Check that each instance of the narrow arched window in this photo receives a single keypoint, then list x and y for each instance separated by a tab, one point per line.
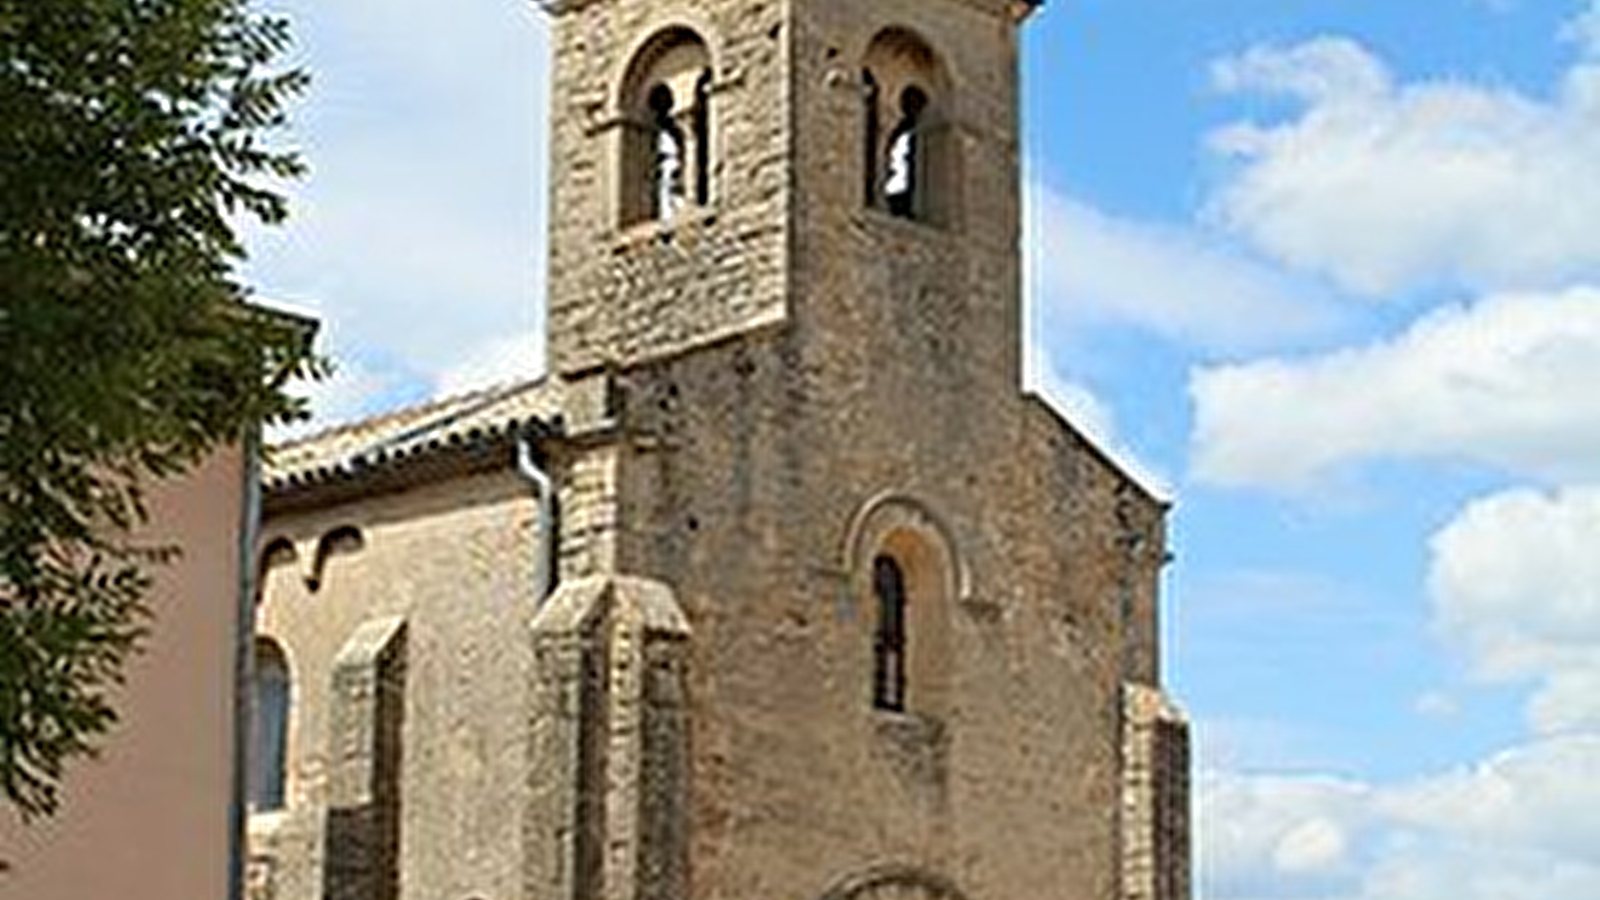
269	727
901	179
667	178
870	136
889	638
701	116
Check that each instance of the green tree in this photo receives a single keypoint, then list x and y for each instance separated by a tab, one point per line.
134	136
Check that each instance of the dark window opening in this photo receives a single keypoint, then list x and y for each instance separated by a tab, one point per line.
667	174
869	99
900	182
889	641
269	728
702	138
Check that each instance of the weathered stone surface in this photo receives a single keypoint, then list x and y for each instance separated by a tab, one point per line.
760	396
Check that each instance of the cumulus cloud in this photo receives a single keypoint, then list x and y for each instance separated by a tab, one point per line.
1280	836
1515	582
1087	267
419	234
1523	824
1507	382
1384	186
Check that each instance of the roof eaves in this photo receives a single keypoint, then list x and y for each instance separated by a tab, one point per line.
429	437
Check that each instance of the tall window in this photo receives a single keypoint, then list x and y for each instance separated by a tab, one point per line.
889	639
269	727
900	183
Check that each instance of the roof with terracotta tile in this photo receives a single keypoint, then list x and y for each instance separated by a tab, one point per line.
346	451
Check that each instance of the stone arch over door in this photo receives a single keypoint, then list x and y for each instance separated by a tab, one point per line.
894	882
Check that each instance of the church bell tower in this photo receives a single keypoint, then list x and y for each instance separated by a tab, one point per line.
842	614
843	167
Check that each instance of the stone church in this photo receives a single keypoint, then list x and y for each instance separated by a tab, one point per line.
777	586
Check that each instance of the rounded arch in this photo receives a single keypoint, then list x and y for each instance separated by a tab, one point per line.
899	882
664	48
890	512
280	551
901	56
338	541
664	107
270	697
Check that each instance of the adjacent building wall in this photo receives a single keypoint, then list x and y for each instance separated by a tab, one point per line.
151	819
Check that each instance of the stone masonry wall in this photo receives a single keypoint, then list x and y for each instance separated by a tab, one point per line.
619	294
744	472
741	466
454	560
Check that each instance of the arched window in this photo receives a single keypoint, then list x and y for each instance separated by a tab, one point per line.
889	638
666	159
269	727
907	577
908	171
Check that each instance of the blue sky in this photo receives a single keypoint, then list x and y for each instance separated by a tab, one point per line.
1325	271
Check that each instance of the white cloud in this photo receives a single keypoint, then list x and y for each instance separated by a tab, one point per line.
1542	795
513	357
1279	836
1086	267
1317	844
419	234
1387	186
1436	704
1326	70
1515	581
1584	31
1522	825
1507	382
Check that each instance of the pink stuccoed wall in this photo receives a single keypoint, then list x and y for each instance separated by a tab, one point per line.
150	819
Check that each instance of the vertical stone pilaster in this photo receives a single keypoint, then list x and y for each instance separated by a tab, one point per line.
664	776
590	513
608	733
1155	797
361	839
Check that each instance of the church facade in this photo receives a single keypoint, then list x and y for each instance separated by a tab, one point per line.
777	585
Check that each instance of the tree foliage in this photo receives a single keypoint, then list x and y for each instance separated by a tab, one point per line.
134	136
